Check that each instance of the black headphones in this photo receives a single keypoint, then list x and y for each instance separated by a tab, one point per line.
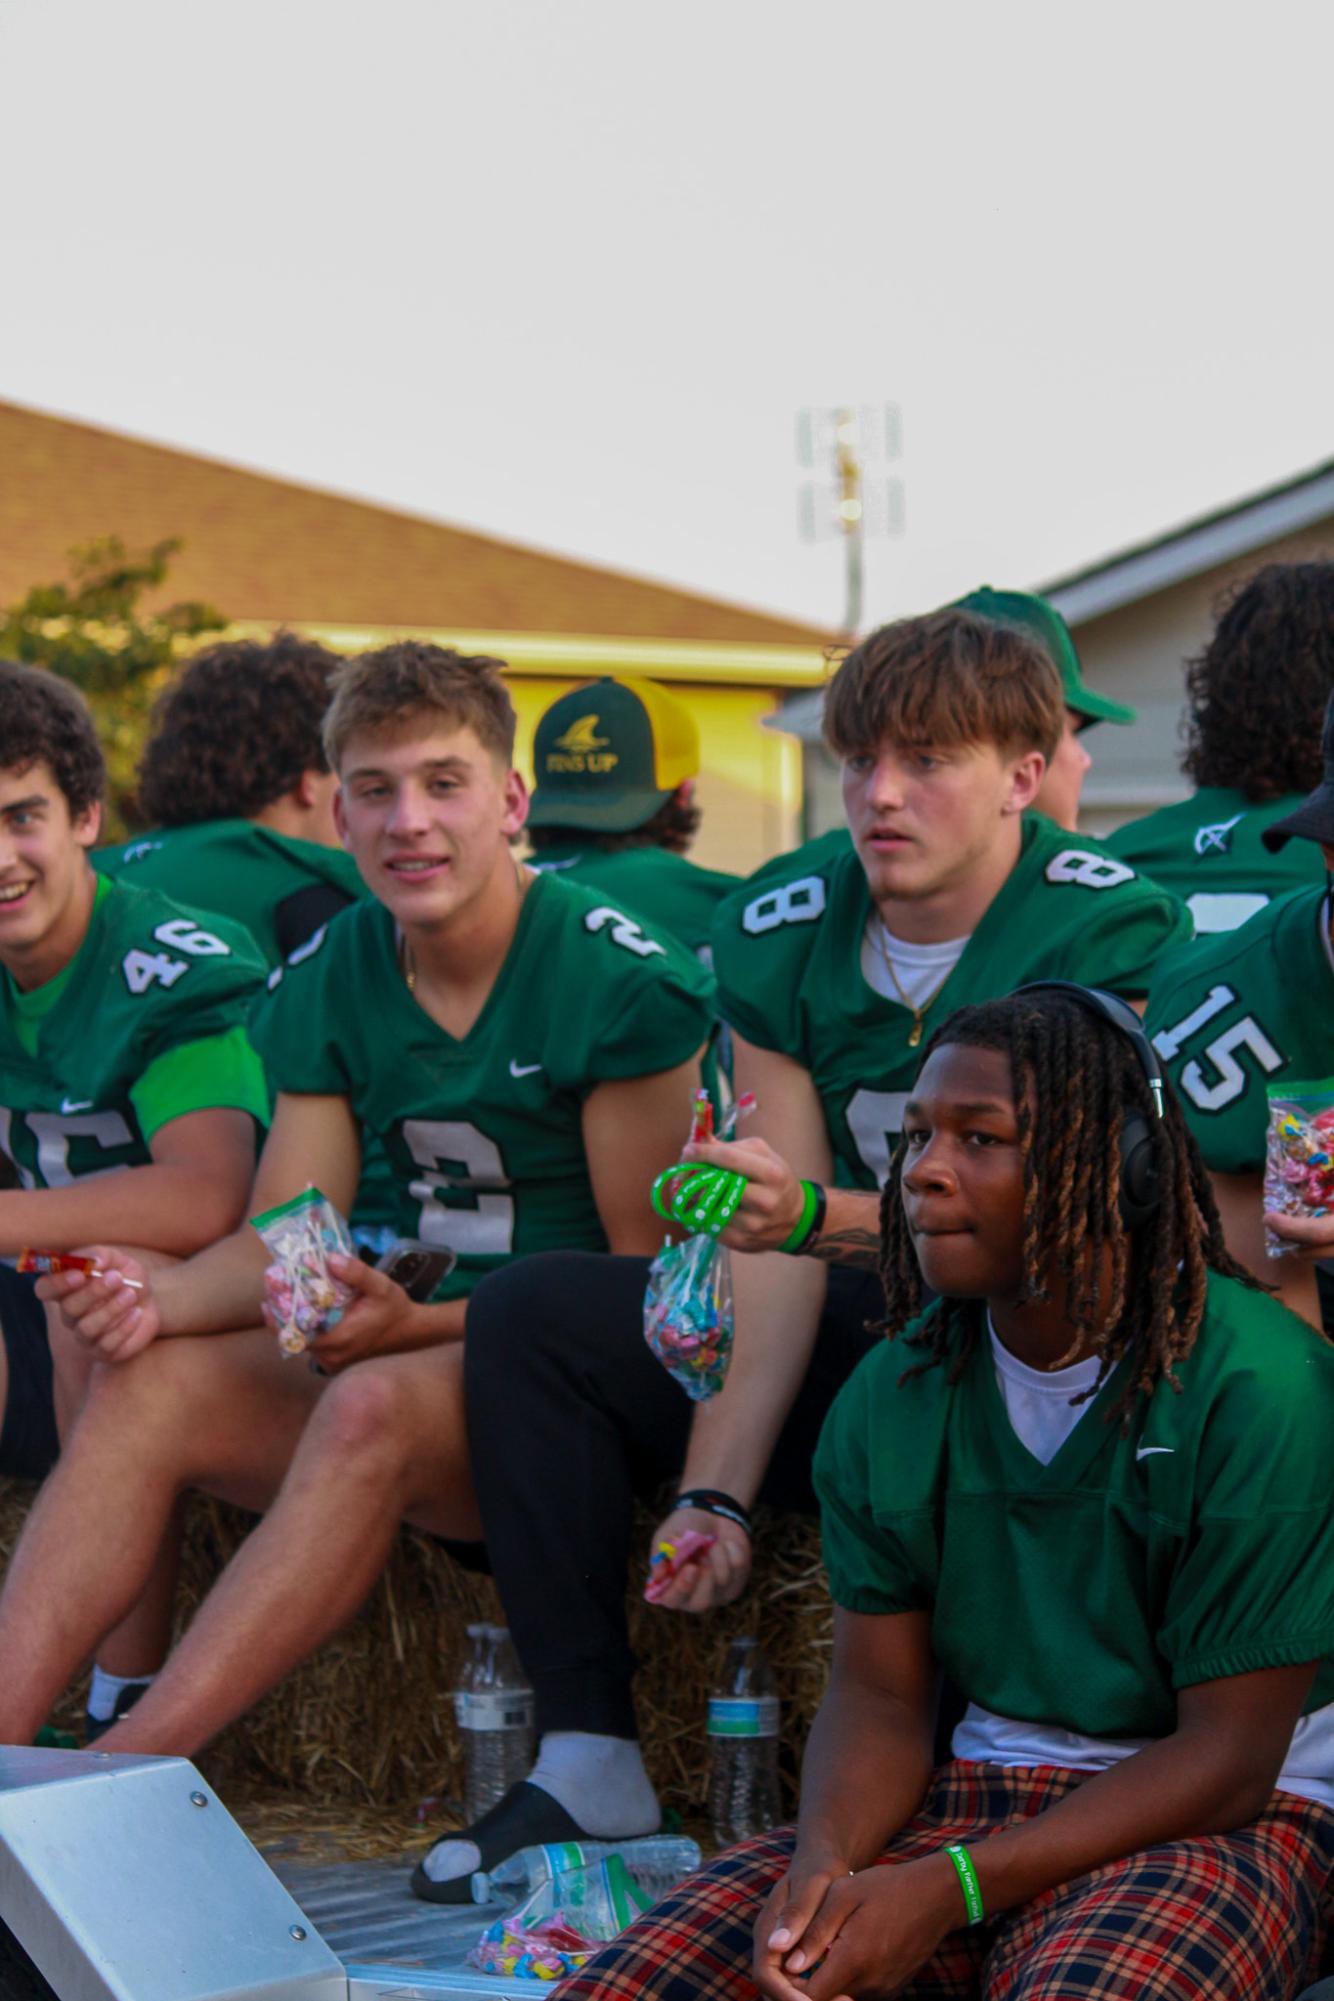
1139	1165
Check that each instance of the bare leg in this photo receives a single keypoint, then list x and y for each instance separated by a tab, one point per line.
221	1411
386	1443
139	1644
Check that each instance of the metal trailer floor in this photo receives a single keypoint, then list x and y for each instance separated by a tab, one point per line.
390	1942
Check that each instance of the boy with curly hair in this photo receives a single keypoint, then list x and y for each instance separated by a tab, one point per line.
1256	696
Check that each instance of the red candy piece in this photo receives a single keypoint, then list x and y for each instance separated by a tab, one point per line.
43	1262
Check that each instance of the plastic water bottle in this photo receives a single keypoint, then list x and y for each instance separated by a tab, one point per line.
743	1744
493	1707
657	1862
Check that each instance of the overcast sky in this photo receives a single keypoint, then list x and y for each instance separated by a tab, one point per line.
567	271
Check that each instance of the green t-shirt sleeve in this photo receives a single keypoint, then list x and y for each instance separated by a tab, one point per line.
1254	1587
868	1568
217	1072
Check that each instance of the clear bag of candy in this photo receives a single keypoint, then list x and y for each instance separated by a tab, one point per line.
1299	1154
303	1295
688	1314
561	1923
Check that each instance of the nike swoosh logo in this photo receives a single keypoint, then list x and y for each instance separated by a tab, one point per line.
70	1105
1144	1451
523	1069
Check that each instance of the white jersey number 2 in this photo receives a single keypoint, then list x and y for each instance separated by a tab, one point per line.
459	1160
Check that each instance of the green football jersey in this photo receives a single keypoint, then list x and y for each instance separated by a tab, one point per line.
146	1023
668	891
281	889
1085	1593
1235	1014
787	950
1207	850
484	1132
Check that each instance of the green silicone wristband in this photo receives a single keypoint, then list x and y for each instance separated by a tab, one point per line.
810	1198
968	1883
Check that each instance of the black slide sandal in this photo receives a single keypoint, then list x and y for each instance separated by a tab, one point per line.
525	1818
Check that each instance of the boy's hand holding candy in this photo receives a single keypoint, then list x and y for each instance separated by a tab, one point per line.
108	1305
761	1212
709	1563
379	1318
1310	1237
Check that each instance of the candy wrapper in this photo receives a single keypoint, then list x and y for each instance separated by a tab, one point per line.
303	1293
1299	1154
39	1264
561	1923
670	1558
688	1314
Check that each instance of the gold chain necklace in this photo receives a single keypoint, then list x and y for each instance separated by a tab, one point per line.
915	1032
408	964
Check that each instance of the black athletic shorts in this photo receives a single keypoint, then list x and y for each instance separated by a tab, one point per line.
28	1440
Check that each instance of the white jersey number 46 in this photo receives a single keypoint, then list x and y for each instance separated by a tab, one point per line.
143	970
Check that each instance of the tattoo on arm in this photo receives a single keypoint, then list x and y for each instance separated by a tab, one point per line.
847	1247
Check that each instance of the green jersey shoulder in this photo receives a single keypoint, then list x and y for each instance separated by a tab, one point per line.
484	1132
1233	1015
1208	850
90	1069
281	889
787	950
669	892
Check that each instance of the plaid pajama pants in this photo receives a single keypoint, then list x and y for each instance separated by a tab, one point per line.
1234	1915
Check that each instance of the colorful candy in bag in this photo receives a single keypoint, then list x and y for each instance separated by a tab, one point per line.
688	1314
688	1304
305	1297
561	1923
1299	1154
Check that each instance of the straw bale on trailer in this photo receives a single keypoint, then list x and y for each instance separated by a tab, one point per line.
369	1719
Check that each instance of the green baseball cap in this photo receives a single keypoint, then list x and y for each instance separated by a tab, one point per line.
1034	614
607	755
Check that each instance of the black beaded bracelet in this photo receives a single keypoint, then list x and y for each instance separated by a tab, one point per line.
710	1501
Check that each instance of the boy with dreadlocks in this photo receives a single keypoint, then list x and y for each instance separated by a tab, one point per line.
1092	1481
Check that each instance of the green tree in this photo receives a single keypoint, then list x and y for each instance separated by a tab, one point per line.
95	630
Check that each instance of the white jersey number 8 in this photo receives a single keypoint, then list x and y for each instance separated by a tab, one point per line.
1088	870
799	902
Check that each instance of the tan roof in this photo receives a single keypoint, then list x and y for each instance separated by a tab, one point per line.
269	550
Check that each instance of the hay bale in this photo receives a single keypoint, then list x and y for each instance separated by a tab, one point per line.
368	1721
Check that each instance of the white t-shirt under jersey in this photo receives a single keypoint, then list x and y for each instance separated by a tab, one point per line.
922	969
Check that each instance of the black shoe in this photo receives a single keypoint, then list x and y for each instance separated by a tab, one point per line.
96	1726
525	1818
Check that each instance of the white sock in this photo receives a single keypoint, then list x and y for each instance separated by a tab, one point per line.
600	1782
105	1689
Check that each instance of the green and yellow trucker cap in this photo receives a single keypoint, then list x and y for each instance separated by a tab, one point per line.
608	754
1034	614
